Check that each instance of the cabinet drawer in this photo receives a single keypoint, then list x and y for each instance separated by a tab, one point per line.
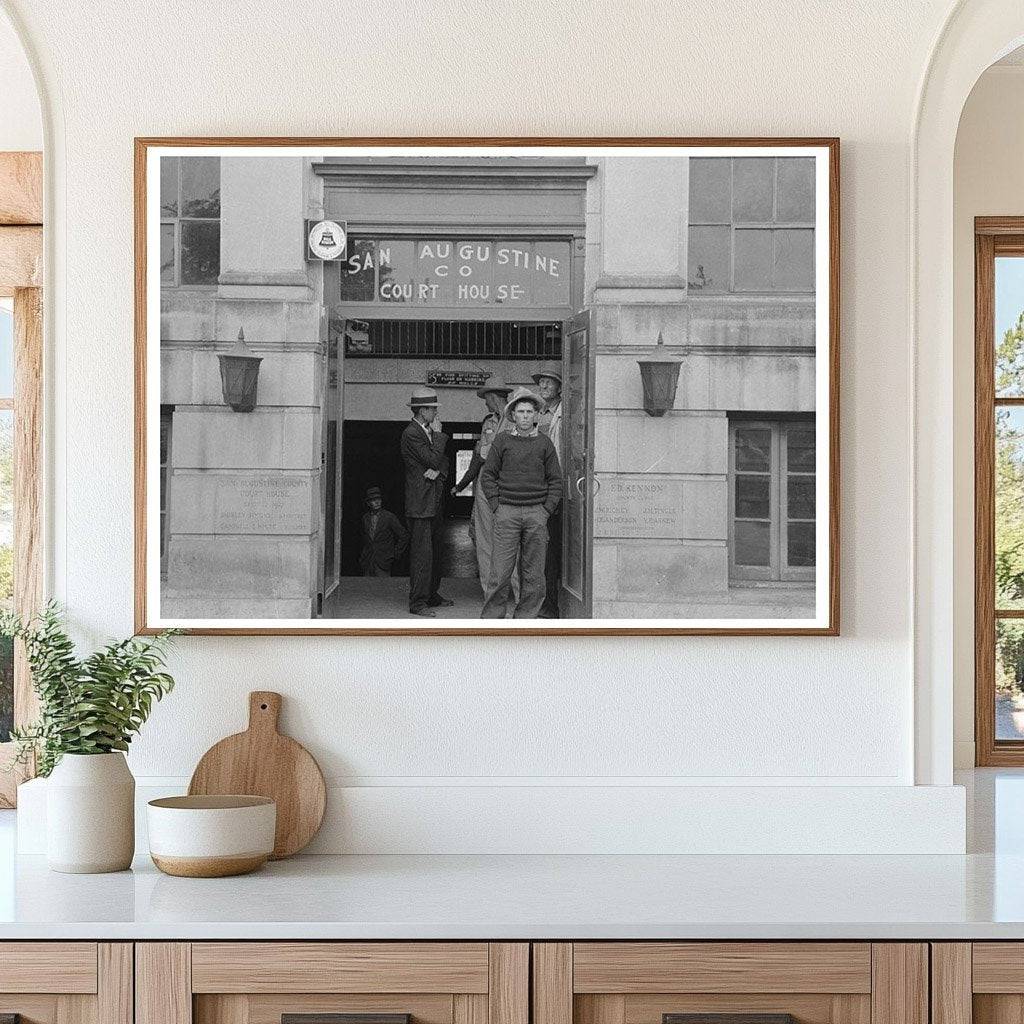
48	967
981	982
340	967
733	982
66	982
629	967
262	982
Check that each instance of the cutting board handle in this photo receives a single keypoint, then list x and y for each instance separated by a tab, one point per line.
264	710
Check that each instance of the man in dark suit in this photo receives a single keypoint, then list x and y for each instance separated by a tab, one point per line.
384	537
426	469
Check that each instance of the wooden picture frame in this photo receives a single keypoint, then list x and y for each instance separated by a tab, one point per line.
346	163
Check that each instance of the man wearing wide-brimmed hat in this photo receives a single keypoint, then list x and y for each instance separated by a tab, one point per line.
522	481
426	469
384	537
549	383
481	524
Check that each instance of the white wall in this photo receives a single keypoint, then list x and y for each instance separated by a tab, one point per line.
988	181
389	714
21	125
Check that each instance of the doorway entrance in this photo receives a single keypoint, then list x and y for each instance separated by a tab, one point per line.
373	459
374	366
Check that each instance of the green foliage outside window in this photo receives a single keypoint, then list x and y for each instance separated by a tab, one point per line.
1009	509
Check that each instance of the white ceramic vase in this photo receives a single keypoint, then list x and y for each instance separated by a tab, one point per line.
90	814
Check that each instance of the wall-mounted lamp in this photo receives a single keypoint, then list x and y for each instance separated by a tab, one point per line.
660	379
239	375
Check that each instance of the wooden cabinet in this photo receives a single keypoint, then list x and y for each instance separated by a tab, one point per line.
647	982
979	982
259	982
66	982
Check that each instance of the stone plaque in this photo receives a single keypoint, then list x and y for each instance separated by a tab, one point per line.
263	504
638	507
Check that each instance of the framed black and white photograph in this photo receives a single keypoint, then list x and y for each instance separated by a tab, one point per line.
487	386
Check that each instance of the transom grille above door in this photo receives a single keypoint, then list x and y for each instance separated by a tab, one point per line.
452	339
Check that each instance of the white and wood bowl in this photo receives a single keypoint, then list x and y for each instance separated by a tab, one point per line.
211	836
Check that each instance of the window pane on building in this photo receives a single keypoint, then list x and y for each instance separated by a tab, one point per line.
168	186
358	271
800	497
753	497
6	348
752	184
200	186
1009	326
710	190
1009	508
1009	709
708	259
200	251
794	259
753	543
167	254
800	544
795	191
800	449
753	449
753	260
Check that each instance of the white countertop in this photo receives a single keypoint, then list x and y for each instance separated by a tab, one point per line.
977	896
531	897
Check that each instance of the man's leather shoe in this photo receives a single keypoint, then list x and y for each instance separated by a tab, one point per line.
440	602
428	613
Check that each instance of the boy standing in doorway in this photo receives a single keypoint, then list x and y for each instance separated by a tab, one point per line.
426	467
384	537
522	482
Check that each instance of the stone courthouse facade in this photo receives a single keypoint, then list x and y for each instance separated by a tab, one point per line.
461	269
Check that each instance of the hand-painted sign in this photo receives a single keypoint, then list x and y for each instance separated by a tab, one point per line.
458	378
326	240
448	272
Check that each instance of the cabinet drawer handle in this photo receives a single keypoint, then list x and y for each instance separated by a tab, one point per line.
728	1018
338	1018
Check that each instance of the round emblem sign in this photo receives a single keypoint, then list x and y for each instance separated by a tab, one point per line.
327	240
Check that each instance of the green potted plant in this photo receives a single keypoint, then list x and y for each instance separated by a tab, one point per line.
89	710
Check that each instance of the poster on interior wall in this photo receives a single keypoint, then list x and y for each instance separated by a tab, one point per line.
542	386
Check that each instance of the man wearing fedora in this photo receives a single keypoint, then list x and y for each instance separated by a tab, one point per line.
495	394
426	468
549	383
522	482
384	537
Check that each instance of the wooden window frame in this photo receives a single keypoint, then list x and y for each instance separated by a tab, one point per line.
993	236
21	262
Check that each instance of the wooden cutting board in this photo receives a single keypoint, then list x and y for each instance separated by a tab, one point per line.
262	762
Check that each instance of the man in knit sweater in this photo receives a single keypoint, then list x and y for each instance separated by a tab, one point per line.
522	482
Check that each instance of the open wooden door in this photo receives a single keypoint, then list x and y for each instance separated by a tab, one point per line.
578	467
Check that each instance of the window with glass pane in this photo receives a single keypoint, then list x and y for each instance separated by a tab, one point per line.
6	511
190	221
772	500
1008	496
166	417
751	225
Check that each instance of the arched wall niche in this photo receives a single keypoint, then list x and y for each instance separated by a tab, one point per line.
975	35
